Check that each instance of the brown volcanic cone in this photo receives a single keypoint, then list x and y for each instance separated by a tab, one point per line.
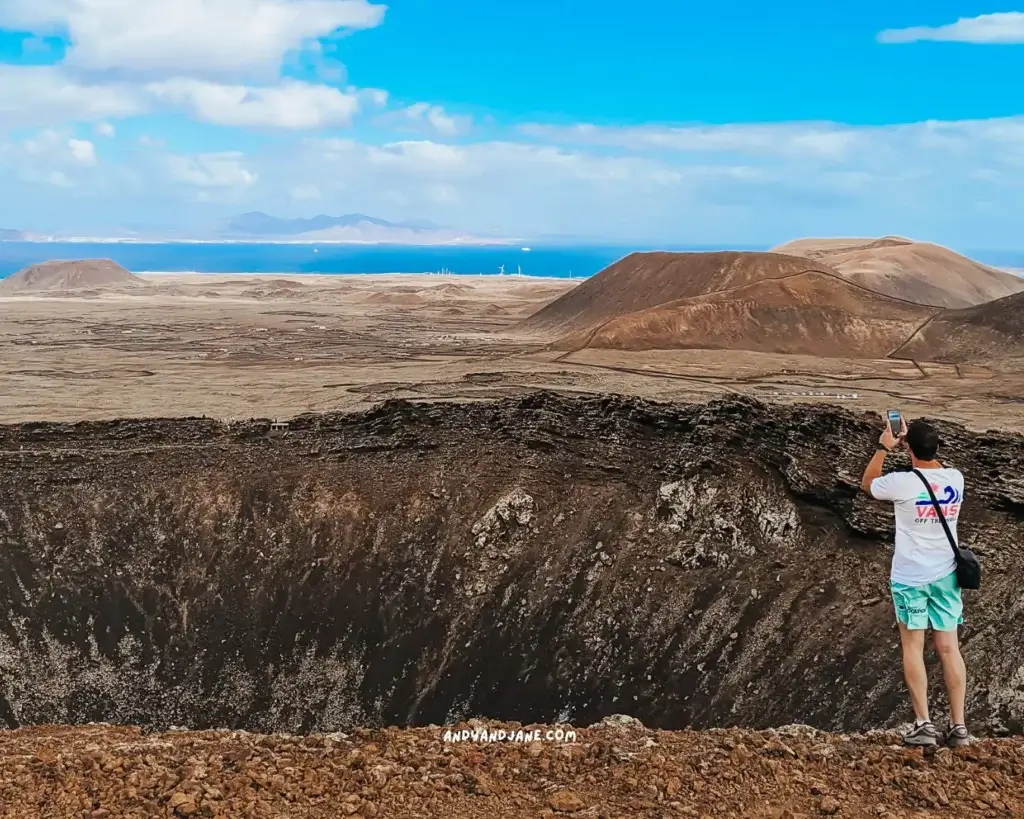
68	276
812	313
986	332
916	271
645	280
765	302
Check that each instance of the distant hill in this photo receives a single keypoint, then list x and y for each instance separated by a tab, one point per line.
917	271
985	332
262	225
8	235
780	303
642	281
802	312
69	276
808	314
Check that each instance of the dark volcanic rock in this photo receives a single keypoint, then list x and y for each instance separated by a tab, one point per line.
534	559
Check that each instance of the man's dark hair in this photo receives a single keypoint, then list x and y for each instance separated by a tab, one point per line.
923	440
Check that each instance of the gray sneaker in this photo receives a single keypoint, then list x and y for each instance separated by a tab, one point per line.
957	736
921	733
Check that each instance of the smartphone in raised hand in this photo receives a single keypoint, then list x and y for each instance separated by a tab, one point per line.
895	422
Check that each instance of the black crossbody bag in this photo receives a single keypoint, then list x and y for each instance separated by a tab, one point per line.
968	569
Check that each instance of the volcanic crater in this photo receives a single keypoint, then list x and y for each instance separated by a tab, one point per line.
539	558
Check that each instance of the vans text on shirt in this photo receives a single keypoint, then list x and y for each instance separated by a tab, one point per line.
923	554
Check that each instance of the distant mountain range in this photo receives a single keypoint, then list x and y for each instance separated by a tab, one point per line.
263	225
353	228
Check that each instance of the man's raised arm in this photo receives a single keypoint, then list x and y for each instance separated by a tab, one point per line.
887	442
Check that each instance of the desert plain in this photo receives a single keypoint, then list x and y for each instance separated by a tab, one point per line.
275	346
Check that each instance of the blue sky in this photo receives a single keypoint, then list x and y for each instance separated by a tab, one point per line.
738	122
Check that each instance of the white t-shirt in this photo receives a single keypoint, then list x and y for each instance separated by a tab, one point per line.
923	554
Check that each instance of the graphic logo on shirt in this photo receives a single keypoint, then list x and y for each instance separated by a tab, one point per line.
947	496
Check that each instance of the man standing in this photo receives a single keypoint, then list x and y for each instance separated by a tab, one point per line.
923	581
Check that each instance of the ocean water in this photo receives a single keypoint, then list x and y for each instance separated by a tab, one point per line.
174	257
300	258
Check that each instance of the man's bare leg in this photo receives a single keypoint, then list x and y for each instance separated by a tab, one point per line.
914	670
954	671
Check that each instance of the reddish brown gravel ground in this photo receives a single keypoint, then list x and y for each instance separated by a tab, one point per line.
608	771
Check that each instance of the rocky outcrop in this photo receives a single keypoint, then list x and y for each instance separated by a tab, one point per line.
539	558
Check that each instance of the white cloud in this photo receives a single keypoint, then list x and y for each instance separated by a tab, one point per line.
334	148
221	170
83	151
758	183
303	193
291	104
420	155
224	38
53	178
44	142
821	140
437	118
507	187
826	150
41	95
1001	28
443	194
59	180
51	147
750	183
218	61
485	173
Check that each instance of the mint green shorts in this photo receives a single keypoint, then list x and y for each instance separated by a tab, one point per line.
937	604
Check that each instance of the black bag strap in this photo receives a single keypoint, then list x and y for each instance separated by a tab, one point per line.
938	511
